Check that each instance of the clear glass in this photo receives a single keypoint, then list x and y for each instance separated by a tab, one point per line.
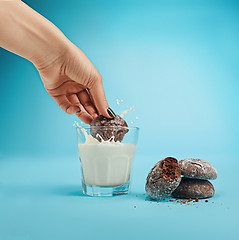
106	165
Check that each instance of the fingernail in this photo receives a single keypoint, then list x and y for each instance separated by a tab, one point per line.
111	113
78	111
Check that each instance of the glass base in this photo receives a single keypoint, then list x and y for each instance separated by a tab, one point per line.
105	191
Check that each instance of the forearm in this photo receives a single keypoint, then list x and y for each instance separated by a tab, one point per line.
28	34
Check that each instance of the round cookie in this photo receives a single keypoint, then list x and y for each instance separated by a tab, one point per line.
163	178
194	188
197	168
107	128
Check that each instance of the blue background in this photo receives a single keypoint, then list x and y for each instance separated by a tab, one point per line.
177	62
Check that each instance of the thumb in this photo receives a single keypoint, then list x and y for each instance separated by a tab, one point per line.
97	94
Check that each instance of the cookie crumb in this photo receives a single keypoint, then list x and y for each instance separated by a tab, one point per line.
134	206
196	200
206	200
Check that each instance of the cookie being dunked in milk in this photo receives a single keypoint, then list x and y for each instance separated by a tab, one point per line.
103	128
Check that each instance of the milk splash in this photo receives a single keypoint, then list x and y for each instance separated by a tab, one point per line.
129	109
126	111
91	140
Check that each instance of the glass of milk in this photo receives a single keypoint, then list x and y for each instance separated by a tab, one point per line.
106	165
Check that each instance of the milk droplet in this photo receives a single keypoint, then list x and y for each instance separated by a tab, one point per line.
126	111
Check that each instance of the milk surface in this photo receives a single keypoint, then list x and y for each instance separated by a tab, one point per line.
106	163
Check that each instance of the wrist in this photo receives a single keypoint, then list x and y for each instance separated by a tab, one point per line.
50	51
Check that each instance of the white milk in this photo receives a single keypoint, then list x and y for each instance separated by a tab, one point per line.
106	163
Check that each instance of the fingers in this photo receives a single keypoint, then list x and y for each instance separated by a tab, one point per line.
87	103
74	100
66	105
84	116
71	105
82	113
83	98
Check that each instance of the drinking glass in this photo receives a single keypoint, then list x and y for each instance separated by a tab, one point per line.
106	165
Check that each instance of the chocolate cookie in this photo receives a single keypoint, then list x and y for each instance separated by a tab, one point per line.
108	128
194	188
197	168
163	178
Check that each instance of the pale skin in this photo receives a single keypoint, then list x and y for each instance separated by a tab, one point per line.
67	74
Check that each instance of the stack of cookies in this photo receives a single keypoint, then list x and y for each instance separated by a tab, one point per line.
195	181
188	178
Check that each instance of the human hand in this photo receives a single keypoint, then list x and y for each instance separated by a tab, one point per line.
75	84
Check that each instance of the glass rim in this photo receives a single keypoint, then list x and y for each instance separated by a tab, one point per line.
108	127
